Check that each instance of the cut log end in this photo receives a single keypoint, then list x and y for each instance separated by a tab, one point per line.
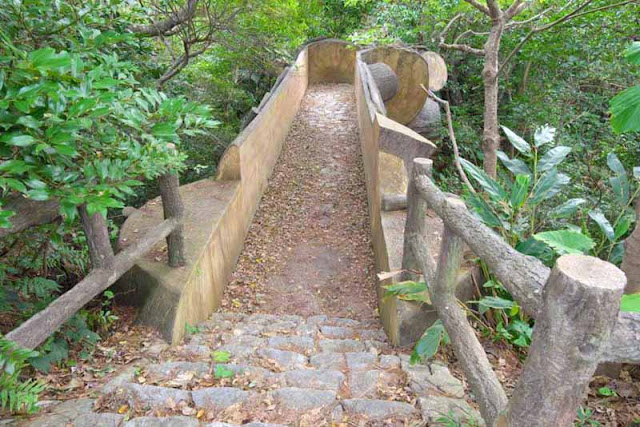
591	272
386	80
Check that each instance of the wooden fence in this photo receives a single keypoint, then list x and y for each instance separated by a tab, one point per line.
575	304
107	267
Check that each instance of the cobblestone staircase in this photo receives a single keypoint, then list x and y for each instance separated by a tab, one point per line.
275	370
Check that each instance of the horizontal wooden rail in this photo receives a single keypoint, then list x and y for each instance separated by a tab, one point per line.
38	328
523	276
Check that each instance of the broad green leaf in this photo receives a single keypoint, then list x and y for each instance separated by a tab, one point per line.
547	186
603	223
544	135
630	303
163	130
625	110
520	191
17	139
47	58
38	194
515	166
553	158
632	53
222	371
409	291
617	253
488	184
427	346
620	187
623	226
615	164
568	208
518	143
535	248
484	211
566	241
495	302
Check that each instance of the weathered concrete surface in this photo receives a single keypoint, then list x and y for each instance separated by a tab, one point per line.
412	71
331	61
428	122
218	215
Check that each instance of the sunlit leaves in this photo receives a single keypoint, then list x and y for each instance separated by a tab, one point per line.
489	185
553	158
518	143
544	135
427	346
566	241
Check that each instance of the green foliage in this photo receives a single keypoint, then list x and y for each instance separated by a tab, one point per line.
16	395
427	346
585	418
409	291
221	356
451	420
222	372
630	303
625	107
192	330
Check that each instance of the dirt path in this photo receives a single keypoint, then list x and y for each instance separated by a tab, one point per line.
308	250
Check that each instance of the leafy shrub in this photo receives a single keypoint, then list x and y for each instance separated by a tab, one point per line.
16	395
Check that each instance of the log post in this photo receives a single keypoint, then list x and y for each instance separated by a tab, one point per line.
173	208
415	226
386	80
97	232
580	304
484	383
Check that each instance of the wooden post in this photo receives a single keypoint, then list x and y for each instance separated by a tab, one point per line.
173	208
484	383
416	227
580	304
97	232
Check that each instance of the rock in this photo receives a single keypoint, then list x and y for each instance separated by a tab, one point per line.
389	361
282	327
218	398
435	378
238	351
292	343
340	346
317	320
248	329
337	332
316	379
102	420
154	396
306	330
377	409
285	360
435	407
360	361
156	348
197	350
364	384
169	369
245	340
263	319
329	361
302	399
375	347
343	322
162	422
126	376
64	413
372	334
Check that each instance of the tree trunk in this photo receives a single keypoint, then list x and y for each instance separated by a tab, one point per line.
173	208
97	232
491	132
29	213
580	303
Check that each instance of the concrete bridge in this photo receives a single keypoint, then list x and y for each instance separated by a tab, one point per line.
376	95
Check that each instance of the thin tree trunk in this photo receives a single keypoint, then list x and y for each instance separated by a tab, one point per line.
173	208
491	132
97	232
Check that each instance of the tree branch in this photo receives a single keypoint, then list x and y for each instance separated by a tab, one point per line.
178	18
482	8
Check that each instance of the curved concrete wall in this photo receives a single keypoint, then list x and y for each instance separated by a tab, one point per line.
218	212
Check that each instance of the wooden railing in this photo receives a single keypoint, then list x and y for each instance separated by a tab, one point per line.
575	304
107	267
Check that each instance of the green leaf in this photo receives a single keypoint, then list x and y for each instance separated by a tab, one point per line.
488	184
566	241
630	303
164	131
615	164
518	143
409	291
603	223
544	135
17	139
544	188
47	58
222	371
553	158
520	191
625	110
221	356
38	195
622	226
484	211
568	208
515	166
495	302
427	346
632	53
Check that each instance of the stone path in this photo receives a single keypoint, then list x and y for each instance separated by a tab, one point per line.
298	341
274	369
